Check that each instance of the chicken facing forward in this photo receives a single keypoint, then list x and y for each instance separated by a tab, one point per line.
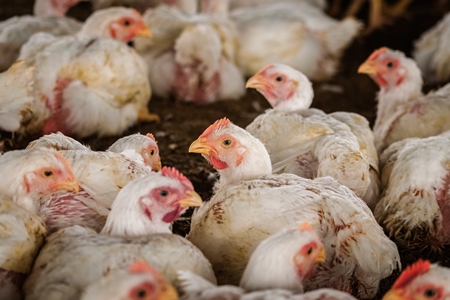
138	228
310	143
293	33
192	57
250	203
421	280
403	111
90	83
415	209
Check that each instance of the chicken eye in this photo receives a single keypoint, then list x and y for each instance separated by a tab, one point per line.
429	293
310	249
390	64
48	173
227	142
163	193
279	78
152	152
126	23
141	294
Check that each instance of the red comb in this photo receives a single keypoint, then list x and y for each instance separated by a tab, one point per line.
305	226
411	272
174	173
377	53
149	135
141	267
265	69
216	126
64	161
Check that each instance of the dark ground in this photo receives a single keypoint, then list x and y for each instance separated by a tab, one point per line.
182	123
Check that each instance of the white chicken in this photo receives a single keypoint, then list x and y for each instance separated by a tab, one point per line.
249	204
403	110
138	228
91	82
414	209
33	173
197	288
431	52
296	34
15	31
191	57
310	143
49	8
140	281
22	234
421	280
188	6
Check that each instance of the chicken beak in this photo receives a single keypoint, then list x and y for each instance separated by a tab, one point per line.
157	166
322	257
256	82
168	293
200	146
71	186
144	31
368	67
192	199
392	295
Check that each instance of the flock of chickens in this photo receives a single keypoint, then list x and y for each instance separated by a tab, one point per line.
305	205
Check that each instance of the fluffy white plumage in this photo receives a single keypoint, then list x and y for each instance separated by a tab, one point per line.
91	82
49	8
293	33
15	31
249	204
197	288
143	209
414	209
191	56
403	111
431	52
310	143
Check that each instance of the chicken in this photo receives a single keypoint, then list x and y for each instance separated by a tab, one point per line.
197	288
414	209
139	148
310	143
140	281
49	8
90	83
138	228
290	255
191	57
33	173
421	280
431	52
22	234
249	204
403	110
296	34
188	6
57	141
247	3
15	31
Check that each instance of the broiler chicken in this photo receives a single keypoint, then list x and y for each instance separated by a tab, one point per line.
48	17
431	52
296	34
138	228
90	83
188	6
421	280
197	288
415	209
249	204
191	57
403	111
140	281
310	143
22	234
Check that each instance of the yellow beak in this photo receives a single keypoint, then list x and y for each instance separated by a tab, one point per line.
255	82
392	295
368	67
193	199
71	186
168	293
157	166
322	257
199	146
144	31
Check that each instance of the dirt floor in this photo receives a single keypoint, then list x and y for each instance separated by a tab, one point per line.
184	122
